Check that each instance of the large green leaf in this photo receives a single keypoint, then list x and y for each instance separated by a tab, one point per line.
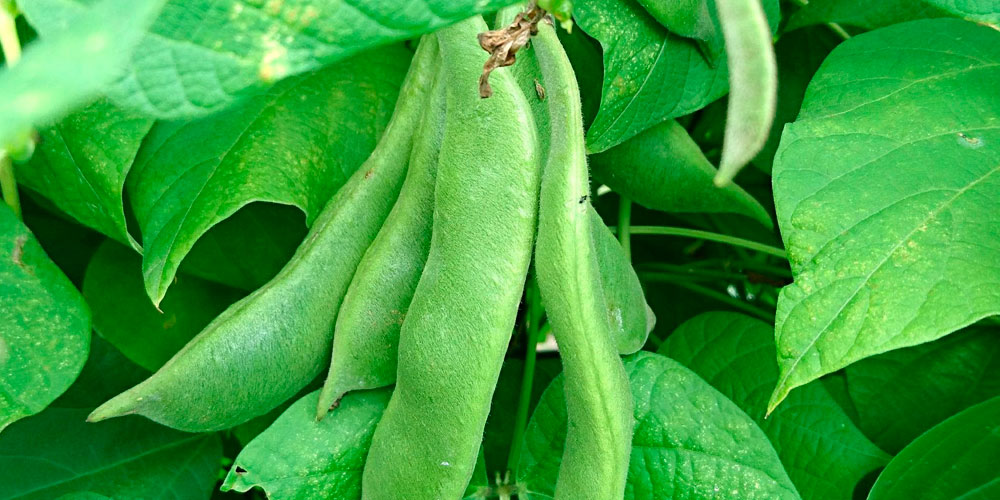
650	74
297	456
58	452
123	314
888	197
824	453
199	55
985	11
44	325
70	65
901	394
81	163
663	169
956	459
106	373
689	442
296	144
863	13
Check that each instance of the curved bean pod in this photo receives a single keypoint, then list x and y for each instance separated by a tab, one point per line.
366	339
459	324
266	347
598	399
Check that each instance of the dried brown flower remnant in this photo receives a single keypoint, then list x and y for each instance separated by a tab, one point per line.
503	44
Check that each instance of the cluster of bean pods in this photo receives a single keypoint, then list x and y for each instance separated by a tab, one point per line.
414	273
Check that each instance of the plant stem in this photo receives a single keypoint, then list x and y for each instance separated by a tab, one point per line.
625	225
8	184
9	42
532	317
706	235
707	292
834	27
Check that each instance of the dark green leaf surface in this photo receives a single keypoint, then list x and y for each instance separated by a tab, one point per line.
81	163
888	194
690	441
984	11
123	314
955	460
663	169
295	144
824	453
298	457
200	55
863	13
44	325
57	452
901	394
650	75
106	373
70	65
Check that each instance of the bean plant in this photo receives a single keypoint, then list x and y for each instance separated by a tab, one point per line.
482	249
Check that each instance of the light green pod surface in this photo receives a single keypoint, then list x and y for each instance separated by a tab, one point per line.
598	399
366	338
458	326
264	348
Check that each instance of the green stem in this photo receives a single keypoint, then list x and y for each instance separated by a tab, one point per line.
834	27
706	235
9	42
707	292
8	184
625	225
533	316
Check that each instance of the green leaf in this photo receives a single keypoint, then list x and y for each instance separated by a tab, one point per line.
663	169
298	456
123	314
863	13
81	163
901	394
200	55
57	452
956	459
44	325
650	75
69	66
887	197
687	18
689	442
68	244
106	373
295	144
984	11
824	453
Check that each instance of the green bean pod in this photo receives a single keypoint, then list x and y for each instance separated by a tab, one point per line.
598	400
753	84
267	346
366	338
459	324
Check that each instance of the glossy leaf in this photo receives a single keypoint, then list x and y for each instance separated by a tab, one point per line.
69	66
297	456
650	75
57	452
862	13
44	325
901	394
663	169
956	459
81	163
201	55
887	197
690	441
123	314
984	11
295	144
824	453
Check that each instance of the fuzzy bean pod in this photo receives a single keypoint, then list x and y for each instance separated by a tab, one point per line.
366	338
264	348
598	400
459	324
